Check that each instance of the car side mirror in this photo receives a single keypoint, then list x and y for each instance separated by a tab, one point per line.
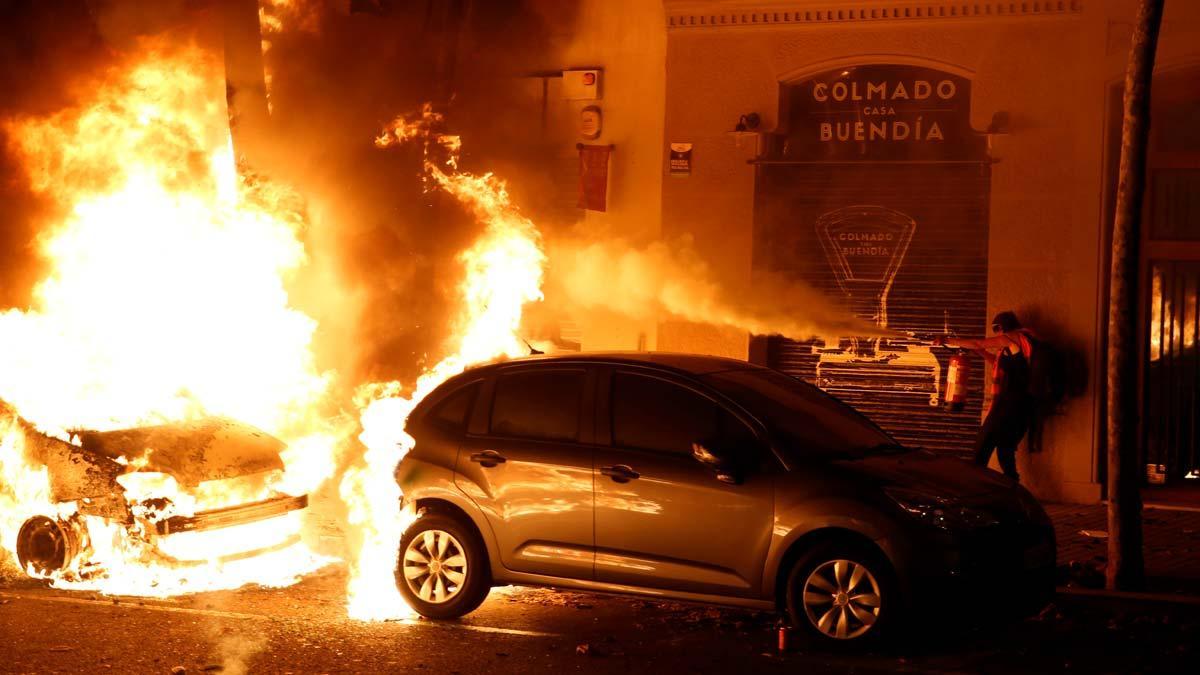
725	470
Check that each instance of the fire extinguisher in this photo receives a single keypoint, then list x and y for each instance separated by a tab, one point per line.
957	375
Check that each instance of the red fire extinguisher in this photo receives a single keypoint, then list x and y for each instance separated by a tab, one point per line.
957	375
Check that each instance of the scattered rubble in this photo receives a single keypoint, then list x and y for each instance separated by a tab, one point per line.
1085	574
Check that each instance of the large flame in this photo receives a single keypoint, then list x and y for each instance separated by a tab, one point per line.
164	300
502	272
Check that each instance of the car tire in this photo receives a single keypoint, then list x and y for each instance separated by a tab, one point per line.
442	570
842	596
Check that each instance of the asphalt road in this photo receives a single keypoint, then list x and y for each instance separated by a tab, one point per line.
304	629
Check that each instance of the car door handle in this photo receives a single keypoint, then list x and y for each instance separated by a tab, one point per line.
620	473
488	458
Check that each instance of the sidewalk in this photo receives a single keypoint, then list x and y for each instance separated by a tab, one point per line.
1172	546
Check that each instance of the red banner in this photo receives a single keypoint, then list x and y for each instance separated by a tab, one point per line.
593	176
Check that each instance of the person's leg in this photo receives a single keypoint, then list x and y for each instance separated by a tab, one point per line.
1007	454
985	444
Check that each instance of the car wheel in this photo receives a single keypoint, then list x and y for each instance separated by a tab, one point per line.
840	595
442	569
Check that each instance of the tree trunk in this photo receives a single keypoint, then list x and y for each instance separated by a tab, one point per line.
1126	570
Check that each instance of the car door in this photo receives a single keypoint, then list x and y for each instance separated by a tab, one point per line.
527	463
663	518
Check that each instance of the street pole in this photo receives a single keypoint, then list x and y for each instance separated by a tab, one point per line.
1126	567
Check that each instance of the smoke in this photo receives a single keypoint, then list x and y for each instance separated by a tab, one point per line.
234	651
664	280
38	60
338	72
382	272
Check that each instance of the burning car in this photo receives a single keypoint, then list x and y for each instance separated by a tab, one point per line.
149	489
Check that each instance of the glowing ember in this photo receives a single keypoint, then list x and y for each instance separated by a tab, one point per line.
503	271
164	302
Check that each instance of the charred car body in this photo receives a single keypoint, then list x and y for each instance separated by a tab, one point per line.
152	481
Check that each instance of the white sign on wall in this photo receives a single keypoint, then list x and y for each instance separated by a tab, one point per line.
581	85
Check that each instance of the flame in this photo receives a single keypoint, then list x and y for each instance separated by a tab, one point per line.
24	486
503	271
428	129
164	300
276	16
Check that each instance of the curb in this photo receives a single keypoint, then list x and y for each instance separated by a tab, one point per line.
1170	598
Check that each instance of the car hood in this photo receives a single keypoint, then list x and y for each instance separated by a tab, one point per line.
927	472
192	452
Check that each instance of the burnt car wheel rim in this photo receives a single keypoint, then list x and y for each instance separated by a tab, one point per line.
46	546
841	599
435	566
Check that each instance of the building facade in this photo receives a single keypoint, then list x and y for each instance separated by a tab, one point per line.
926	164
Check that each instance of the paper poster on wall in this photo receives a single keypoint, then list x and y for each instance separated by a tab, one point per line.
681	159
593	176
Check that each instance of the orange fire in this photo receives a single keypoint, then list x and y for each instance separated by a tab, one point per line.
503	271
164	301
277	16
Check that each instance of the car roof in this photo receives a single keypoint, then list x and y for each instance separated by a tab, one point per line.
693	364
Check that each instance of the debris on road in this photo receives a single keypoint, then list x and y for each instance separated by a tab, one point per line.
1086	574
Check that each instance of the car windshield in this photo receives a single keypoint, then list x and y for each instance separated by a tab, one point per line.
807	419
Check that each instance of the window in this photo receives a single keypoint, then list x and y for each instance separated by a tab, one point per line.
451	414
806	417
653	414
541	404
1175	204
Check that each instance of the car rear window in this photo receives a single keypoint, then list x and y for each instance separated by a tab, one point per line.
451	413
541	404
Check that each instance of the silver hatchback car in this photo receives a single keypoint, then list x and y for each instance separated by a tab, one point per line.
701	479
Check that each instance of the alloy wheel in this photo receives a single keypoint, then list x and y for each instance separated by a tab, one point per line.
435	566
841	598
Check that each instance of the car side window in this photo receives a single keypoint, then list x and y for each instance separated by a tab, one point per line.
452	412
538	404
649	413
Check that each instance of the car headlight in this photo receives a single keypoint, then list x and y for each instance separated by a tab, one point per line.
940	512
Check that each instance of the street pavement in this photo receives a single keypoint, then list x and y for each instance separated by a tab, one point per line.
1171	546
304	629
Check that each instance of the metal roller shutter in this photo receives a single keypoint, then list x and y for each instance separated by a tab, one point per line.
917	233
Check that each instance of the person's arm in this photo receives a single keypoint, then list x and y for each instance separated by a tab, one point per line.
997	342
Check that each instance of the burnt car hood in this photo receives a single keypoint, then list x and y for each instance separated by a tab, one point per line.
948	477
191	452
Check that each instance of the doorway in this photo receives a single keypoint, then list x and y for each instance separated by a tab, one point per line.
1169	372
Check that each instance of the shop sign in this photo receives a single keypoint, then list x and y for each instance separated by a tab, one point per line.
882	112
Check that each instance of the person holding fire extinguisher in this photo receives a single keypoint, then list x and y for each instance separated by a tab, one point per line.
1012	407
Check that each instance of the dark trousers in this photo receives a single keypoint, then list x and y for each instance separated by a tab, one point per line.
1001	432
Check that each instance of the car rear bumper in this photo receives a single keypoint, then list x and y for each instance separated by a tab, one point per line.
232	515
